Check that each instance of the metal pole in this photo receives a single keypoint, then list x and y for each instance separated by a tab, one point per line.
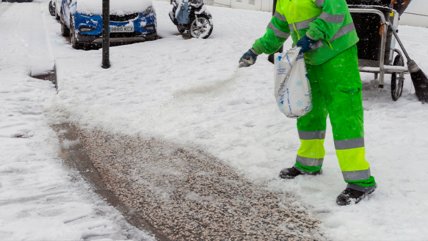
106	34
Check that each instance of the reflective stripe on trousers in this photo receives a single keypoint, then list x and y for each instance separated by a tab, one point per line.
349	144
310	135
310	155
356	175
348	151
310	162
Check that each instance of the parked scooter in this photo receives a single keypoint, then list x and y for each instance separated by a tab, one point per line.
191	18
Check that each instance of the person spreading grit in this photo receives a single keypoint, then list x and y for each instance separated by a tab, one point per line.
326	34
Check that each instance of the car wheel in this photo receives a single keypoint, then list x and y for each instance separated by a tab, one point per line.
201	27
64	30
73	36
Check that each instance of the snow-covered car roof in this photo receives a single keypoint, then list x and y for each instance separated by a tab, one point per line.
117	7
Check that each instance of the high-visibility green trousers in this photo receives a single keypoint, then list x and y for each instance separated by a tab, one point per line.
336	91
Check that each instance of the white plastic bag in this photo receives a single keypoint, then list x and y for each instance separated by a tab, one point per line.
292	88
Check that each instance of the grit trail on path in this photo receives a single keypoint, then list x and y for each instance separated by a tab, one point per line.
182	194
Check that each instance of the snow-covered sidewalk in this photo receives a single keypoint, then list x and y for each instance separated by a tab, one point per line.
40	199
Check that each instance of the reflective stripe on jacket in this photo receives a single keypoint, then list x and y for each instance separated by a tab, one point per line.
327	21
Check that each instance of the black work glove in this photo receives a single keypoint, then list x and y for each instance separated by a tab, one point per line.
305	43
248	59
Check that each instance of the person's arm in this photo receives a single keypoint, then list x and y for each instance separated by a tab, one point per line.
276	33
330	21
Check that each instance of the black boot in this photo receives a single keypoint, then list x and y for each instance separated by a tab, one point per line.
352	196
292	172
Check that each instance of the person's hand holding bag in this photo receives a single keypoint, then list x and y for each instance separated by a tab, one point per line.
305	44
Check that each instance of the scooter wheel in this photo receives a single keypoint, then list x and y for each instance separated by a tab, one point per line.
201	27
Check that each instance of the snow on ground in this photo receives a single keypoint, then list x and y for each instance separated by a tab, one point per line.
119	7
191	92
40	199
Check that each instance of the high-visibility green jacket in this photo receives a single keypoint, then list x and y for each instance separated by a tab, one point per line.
327	21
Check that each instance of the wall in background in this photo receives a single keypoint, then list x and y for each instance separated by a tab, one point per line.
415	15
263	5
